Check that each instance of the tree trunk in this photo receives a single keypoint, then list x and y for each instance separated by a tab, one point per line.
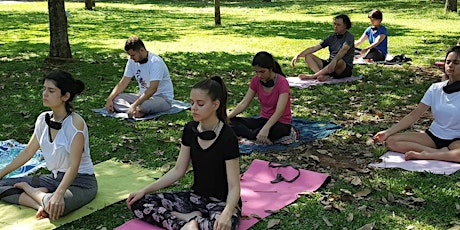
451	6
89	4
59	39
217	13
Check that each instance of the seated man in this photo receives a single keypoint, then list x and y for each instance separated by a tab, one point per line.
377	36
341	52
155	86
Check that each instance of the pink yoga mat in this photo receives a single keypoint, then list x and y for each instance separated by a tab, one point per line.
137	224
259	196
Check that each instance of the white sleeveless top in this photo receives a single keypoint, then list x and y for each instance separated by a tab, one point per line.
57	153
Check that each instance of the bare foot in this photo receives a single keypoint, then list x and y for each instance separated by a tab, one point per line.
192	225
138	113
324	78
306	77
29	189
186	216
41	214
412	155
22	185
368	60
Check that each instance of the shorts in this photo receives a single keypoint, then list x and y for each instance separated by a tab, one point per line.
347	72
440	143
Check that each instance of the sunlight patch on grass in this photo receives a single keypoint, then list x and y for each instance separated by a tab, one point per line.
24	6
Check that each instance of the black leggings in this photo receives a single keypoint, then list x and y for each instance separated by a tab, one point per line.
250	127
375	55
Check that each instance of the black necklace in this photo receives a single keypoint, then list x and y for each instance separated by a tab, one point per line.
143	61
270	83
452	88
54	124
206	135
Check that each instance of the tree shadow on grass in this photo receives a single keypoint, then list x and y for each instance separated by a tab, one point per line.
329	7
295	29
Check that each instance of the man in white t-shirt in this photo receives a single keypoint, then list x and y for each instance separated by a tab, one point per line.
155	86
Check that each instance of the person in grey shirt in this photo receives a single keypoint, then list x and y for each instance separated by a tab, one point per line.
341	53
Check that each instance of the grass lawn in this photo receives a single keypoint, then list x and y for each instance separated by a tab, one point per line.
183	33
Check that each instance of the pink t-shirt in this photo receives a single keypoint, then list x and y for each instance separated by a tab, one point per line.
268	100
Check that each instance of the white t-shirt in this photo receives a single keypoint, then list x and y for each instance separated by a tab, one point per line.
154	70
57	153
445	109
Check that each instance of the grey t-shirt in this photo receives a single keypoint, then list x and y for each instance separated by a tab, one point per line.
335	43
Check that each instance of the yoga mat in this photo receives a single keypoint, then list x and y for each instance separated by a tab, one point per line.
116	181
302	84
10	149
396	160
176	107
439	63
308	130
137	224
358	60
361	61
259	195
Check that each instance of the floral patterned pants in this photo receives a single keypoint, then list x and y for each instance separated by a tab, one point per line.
156	209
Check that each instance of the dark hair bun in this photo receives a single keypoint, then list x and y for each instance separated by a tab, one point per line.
79	86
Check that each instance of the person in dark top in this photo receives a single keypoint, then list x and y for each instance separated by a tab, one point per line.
212	147
341	53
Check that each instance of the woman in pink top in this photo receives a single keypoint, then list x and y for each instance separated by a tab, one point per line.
272	90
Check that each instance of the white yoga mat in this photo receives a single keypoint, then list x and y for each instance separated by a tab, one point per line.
396	160
298	83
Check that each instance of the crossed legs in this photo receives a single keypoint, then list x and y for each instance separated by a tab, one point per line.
191	224
421	146
451	153
322	73
32	197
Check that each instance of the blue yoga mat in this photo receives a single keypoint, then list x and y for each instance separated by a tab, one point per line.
9	149
309	131
176	106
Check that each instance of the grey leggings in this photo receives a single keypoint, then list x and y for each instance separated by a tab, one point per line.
155	104
82	190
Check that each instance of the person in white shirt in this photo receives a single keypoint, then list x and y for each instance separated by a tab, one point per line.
441	141
62	136
155	86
